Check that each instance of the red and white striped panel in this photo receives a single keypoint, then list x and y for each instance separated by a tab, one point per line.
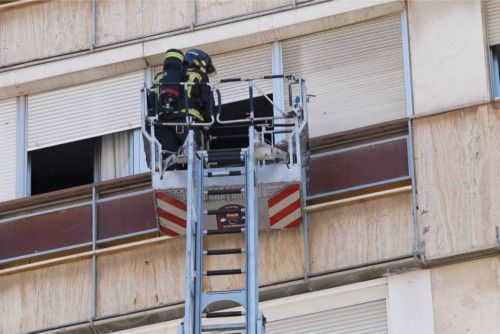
284	208
171	213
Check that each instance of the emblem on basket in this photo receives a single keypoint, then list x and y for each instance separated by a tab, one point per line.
230	219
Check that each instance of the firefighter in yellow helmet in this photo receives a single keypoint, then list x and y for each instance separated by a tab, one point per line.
197	67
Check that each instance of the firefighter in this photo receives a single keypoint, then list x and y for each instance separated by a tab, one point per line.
197	67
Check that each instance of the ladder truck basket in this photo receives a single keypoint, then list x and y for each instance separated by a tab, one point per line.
281	155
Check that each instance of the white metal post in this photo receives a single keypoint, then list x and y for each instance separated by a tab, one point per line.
252	230
94	256
199	242
278	85
21	150
188	279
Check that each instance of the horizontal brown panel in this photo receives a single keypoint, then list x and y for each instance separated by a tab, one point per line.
44	232
358	167
46	199
126	215
73	226
72	193
126	181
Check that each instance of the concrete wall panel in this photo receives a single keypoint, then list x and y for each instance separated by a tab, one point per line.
457	162
154	275
45	297
44	29
361	232
118	21
466	297
409	304
447	54
214	10
141	277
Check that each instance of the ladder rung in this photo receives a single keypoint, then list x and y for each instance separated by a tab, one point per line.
222	211
224	191
225	173
224	314
225	231
224	251
223	327
223	272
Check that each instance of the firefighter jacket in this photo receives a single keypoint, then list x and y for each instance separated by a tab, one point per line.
200	97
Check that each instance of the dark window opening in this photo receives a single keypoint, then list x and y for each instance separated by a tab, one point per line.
495	70
236	135
62	166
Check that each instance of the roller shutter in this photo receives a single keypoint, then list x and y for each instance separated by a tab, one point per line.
245	63
85	111
8	114
492	9
356	73
369	317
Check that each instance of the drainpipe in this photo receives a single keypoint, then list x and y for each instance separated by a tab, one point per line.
94	27
417	243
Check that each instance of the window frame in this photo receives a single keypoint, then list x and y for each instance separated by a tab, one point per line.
494	55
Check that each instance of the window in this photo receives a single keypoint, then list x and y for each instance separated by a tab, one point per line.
495	70
86	161
62	166
492	13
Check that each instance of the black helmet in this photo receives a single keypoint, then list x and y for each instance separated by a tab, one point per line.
199	59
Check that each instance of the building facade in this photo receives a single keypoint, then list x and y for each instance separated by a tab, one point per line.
403	228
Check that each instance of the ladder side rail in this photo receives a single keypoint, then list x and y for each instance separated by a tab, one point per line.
303	130
199	244
153	142
144	113
305	109
291	82
252	246
298	151
153	148
188	279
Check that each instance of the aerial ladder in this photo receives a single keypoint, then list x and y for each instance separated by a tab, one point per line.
248	186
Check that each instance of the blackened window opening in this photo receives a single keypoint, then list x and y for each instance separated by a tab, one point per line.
236	135
62	166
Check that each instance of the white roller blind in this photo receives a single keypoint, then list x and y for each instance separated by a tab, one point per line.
245	63
362	318
8	114
85	111
354	308
492	9
356	73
